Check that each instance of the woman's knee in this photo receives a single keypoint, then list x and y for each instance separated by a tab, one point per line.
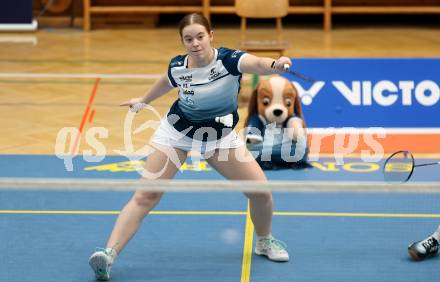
147	199
260	196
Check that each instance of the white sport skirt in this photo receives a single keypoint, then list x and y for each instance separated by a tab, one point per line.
167	135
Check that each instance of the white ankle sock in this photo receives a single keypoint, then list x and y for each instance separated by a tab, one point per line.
112	252
436	234
269	236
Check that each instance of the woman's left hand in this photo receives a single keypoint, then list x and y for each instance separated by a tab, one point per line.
281	62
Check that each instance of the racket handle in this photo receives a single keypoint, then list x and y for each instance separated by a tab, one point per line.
287	69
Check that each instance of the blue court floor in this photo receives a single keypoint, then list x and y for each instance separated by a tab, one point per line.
331	236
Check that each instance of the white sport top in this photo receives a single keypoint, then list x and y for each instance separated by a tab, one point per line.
210	91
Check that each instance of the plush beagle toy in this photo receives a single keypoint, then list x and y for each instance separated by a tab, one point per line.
275	125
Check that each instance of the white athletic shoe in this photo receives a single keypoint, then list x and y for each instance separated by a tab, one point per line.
272	248
101	262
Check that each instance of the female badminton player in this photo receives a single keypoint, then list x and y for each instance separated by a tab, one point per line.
202	118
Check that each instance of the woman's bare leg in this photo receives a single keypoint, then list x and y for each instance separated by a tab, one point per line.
159	165
246	168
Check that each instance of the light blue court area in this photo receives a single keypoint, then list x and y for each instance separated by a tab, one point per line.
331	236
118	167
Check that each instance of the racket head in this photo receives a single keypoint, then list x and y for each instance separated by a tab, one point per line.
398	167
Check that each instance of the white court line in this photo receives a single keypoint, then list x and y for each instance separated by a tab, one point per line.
84	184
373	130
79	75
83	75
19	39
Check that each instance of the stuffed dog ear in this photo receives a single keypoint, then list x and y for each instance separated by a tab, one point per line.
253	106
298	107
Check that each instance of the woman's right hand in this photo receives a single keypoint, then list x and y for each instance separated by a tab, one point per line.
135	104
131	102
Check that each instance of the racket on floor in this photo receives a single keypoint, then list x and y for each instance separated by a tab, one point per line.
399	167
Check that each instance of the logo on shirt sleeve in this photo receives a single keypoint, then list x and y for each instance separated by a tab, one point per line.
236	53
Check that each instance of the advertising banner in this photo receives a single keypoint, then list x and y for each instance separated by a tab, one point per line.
362	93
